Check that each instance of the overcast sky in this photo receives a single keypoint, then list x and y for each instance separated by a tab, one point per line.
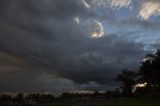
64	45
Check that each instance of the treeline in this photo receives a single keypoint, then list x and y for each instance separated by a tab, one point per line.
36	98
20	99
146	79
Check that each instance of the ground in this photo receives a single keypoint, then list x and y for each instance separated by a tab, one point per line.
148	100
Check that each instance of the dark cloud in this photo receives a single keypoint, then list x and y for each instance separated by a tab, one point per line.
45	49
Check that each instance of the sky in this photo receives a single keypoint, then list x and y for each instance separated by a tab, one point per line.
66	45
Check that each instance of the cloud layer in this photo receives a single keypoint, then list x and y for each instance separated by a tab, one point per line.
51	45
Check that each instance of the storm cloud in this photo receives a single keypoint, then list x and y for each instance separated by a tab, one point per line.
49	44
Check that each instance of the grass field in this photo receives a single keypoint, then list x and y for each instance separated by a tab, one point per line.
149	100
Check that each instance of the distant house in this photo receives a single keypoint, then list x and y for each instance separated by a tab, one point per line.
81	99
30	101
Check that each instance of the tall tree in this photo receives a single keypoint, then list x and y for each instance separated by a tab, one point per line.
5	98
127	79
150	69
20	97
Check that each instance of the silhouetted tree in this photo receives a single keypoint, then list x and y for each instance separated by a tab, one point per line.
5	100
150	69
127	78
19	98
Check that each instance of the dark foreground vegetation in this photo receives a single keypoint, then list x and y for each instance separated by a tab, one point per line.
147	100
138	88
68	99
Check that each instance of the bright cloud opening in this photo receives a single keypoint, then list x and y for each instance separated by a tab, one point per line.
150	8
103	3
76	19
98	30
139	85
120	3
85	4
93	28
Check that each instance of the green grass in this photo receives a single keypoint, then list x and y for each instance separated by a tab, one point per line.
148	100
